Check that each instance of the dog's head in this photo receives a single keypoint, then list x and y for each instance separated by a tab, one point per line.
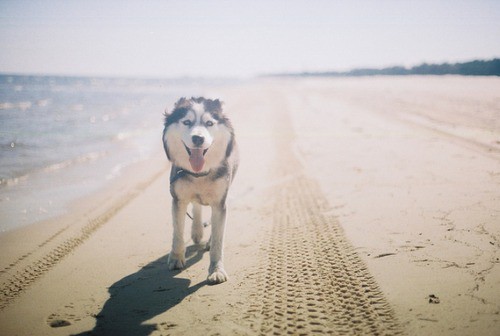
197	135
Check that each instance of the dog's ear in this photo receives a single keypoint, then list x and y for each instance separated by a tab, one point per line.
166	113
182	103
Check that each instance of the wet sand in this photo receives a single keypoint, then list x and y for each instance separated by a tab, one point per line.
364	205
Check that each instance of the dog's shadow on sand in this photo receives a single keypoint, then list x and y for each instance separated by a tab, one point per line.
143	295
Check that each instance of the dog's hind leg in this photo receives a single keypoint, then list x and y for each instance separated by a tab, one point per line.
177	257
197	226
216	272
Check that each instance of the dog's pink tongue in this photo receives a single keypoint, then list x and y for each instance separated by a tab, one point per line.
196	159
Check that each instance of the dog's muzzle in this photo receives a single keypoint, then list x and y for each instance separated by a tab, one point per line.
197	140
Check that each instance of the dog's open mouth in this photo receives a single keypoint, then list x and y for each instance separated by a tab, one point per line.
196	158
188	150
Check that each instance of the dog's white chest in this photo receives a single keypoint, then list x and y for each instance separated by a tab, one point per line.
201	190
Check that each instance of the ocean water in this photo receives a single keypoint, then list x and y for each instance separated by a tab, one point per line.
62	138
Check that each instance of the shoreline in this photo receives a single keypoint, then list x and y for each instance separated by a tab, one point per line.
81	211
63	138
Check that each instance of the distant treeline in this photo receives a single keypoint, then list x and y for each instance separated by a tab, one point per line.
474	68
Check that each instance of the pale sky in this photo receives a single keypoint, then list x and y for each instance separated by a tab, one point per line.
240	38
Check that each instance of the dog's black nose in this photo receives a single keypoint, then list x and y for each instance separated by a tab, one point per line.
197	140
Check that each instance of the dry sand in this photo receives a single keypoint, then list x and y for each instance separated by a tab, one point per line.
362	206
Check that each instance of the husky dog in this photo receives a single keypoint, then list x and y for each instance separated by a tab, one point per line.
199	141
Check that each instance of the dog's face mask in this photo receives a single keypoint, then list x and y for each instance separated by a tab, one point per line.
196	135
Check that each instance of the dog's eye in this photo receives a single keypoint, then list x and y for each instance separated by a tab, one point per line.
209	123
187	122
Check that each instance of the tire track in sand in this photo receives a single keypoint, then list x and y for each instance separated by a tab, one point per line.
310	278
24	277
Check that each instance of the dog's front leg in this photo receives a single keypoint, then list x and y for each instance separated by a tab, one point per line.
216	272
177	258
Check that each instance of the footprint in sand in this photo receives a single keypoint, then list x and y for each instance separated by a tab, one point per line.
56	322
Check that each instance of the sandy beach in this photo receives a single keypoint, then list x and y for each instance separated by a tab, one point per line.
362	206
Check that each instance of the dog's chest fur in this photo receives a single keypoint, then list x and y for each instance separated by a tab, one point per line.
203	190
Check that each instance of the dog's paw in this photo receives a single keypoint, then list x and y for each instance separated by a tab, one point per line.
176	263
217	277
217	274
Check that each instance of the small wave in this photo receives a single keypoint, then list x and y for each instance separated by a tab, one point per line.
7	182
23	106
85	158
6	106
117	170
77	107
15	144
128	135
43	102
89	157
